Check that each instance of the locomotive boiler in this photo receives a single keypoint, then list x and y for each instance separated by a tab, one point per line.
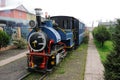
47	44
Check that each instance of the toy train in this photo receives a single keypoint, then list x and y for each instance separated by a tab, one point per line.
49	40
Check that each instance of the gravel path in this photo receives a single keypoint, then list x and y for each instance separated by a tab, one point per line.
14	70
9	53
94	67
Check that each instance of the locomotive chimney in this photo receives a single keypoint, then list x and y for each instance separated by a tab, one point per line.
38	16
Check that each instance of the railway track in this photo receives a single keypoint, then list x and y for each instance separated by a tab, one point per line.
24	76
42	76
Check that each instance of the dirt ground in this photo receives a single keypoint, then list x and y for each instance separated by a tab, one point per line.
13	70
72	67
9	53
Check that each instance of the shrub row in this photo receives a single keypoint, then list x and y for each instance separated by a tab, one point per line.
20	43
4	39
112	63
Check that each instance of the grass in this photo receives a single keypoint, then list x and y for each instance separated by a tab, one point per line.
84	48
105	50
71	56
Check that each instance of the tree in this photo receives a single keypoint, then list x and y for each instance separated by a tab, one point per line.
112	64
4	39
101	34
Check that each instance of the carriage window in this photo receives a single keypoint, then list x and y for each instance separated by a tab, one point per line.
73	26
68	26
65	24
80	26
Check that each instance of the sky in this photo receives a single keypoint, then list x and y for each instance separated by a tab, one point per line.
87	11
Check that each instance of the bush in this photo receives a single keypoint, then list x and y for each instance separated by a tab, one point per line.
101	34
4	39
112	30
94	31
112	67
20	43
112	64
86	37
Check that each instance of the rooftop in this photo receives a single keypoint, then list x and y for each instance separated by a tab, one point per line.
20	7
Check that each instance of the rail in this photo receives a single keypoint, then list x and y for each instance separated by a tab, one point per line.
42	77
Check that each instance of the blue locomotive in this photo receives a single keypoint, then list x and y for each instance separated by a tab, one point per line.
48	42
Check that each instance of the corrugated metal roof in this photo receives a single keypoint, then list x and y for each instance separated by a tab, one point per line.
17	20
7	8
14	19
20	7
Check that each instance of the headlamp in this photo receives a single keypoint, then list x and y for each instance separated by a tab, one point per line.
32	23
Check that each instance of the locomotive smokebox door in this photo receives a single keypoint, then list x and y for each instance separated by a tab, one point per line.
37	41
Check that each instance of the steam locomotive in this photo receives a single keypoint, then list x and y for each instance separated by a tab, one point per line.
49	40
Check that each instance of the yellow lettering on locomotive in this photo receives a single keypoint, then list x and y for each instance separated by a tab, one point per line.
34	43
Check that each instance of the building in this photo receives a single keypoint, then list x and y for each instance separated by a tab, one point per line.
19	14
16	19
107	24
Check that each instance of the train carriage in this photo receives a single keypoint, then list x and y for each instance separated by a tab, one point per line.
68	22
